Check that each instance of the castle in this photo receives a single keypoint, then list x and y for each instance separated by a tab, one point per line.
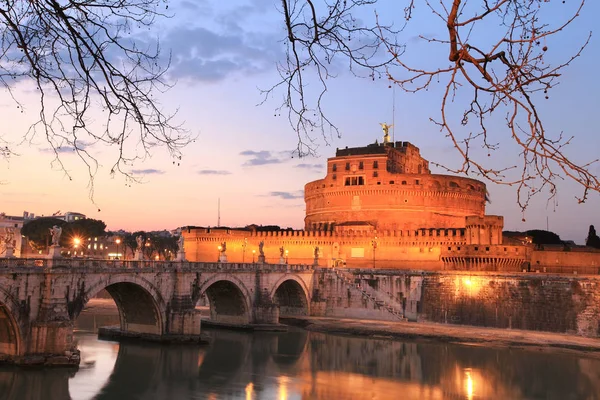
379	206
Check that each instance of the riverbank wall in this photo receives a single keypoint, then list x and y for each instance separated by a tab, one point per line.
529	301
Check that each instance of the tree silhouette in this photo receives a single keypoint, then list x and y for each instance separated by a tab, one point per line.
592	239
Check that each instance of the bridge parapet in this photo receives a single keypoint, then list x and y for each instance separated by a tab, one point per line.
96	265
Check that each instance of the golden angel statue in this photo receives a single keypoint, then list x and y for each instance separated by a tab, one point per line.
386	135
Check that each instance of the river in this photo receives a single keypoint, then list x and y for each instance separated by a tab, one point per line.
304	365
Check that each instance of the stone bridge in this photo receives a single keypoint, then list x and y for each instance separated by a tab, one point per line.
41	298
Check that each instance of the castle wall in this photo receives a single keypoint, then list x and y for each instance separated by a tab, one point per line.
394	249
394	201
573	261
544	302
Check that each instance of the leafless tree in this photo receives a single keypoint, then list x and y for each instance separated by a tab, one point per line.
83	55
506	72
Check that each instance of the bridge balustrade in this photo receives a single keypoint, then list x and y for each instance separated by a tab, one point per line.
146	265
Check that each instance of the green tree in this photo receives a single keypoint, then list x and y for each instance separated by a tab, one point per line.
592	239
541	237
37	231
84	229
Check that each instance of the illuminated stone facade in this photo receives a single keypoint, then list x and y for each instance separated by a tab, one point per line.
390	187
379	206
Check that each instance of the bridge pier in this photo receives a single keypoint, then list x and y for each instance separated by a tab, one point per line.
183	318
50	337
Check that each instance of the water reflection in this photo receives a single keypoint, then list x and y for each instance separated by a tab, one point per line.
303	365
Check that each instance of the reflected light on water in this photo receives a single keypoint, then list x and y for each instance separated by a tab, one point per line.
249	391
469	384
98	360
283	389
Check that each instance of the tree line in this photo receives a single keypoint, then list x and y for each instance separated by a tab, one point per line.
155	244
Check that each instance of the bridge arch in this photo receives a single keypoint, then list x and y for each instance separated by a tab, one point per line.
10	331
228	298
292	296
142	309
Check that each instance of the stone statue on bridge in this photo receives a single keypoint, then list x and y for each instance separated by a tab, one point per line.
222	254
55	231
139	254
7	242
180	248
8	237
316	260
140	242
261	252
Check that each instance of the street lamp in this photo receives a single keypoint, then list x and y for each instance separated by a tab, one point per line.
76	242
374	244
286	256
219	256
117	242
253	253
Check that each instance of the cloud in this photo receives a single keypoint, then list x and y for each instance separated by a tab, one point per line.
65	149
206	55
148	171
263	158
288	195
213	172
311	167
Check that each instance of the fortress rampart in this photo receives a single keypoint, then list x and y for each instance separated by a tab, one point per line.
390	188
379	206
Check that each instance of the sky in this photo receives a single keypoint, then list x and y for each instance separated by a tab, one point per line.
223	54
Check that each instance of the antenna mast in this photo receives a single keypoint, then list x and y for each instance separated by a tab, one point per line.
219	213
394	115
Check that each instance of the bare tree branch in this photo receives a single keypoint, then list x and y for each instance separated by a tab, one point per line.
504	71
81	53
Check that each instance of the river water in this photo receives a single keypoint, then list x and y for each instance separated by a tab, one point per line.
305	365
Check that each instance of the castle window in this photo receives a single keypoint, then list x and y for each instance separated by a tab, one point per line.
391	182
347	182
334	177
334	167
379	183
449	248
375	174
487	249
375	164
404	182
347	166
453	185
417	182
361	180
361	165
476	248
